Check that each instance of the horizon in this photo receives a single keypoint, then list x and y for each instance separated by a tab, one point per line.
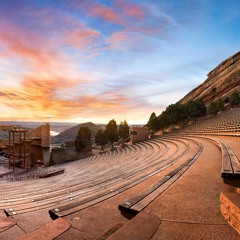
71	123
62	123
93	61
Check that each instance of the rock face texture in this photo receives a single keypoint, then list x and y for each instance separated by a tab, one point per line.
222	81
229	206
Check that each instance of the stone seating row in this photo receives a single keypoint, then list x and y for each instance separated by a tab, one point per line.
59	196
151	158
142	200
230	163
38	191
222	123
74	198
77	206
124	162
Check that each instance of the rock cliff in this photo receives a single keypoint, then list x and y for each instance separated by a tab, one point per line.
220	83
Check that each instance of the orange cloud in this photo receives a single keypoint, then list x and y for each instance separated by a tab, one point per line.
35	102
36	99
81	38
106	13
129	9
27	46
118	40
96	10
43	49
116	14
48	75
129	39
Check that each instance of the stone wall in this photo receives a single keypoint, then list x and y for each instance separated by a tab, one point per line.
43	133
230	209
138	134
66	154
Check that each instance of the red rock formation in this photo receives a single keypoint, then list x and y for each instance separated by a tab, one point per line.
221	82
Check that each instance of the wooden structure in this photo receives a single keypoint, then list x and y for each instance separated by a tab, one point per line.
17	148
27	148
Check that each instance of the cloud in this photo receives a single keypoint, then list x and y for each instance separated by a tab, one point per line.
37	98
42	35
131	40
2	94
118	40
104	12
28	46
95	10
51	46
141	24
117	12
129	10
82	38
59	28
183	12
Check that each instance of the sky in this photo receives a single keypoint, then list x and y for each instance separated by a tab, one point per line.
95	60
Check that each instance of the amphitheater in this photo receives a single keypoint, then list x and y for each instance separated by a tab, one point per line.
178	186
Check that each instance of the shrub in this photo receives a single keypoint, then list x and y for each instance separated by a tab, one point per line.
212	108
234	99
220	105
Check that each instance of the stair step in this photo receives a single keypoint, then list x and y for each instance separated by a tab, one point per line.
7	223
143	227
49	231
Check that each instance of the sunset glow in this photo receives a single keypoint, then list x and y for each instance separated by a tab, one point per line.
94	60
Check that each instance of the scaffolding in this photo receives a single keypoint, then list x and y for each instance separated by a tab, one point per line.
17	147
25	148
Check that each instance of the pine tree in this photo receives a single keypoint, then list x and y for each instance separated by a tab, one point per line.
111	132
83	138
153	122
101	138
123	130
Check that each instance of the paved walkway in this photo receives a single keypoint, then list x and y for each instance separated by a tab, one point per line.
190	208
4	170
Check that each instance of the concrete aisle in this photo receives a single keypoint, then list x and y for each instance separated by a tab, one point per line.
190	208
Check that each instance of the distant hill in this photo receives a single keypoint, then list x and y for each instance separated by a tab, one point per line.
55	126
221	82
70	134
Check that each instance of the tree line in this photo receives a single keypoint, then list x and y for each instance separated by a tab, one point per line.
176	113
111	134
173	114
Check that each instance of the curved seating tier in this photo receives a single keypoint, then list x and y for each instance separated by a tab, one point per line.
88	181
143	171
226	123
